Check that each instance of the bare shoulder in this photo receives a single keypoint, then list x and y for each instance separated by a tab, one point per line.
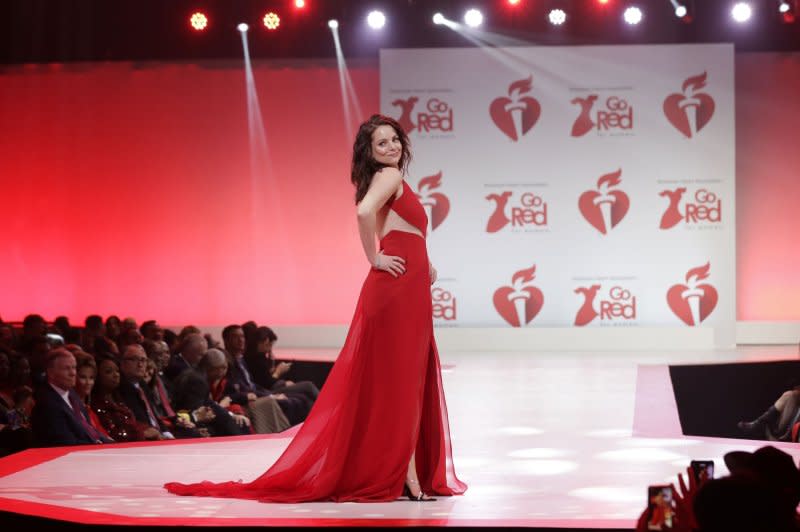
388	174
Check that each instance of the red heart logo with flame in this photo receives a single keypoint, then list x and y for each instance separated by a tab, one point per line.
619	206
441	204
678	106
707	301
528	109
505	304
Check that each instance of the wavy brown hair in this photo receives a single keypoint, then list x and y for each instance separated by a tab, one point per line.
364	165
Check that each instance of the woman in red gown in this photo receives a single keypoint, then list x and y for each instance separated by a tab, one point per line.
379	427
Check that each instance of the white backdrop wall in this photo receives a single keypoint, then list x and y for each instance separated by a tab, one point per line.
574	186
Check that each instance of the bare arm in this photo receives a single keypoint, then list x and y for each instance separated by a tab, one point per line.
383	186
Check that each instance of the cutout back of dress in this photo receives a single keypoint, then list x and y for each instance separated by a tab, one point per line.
410	209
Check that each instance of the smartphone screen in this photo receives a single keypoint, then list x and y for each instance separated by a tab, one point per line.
660	508
702	470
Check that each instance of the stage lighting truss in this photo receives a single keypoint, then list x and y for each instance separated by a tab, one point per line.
272	21
198	21
632	15
557	17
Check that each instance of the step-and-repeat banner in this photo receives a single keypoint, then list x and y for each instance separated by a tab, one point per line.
574	186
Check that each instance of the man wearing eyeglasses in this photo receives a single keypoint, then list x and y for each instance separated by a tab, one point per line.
131	389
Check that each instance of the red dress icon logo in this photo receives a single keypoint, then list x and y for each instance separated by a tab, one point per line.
690	111
672	216
498	219
516	114
584	124
519	303
586	313
693	302
406	107
436	204
605	208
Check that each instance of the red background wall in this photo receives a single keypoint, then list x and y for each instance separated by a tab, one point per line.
126	189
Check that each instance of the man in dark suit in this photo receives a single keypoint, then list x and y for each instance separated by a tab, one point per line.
192	350
242	388
60	417
131	390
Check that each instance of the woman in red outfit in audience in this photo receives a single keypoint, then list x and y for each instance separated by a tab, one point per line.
86	370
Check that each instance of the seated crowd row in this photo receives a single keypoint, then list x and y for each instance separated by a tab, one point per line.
115	381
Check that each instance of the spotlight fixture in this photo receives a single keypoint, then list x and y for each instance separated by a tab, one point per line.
272	21
242	27
632	15
198	21
473	18
514	2
557	17
376	20
741	12
683	10
299	4
333	23
788	11
438	18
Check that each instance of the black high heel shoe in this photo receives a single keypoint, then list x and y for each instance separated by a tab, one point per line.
420	498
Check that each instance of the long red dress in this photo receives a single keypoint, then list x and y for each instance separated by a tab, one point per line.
382	400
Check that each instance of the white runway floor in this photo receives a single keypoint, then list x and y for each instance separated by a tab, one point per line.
542	439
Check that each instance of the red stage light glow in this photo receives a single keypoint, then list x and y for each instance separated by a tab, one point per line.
198	21
299	4
272	21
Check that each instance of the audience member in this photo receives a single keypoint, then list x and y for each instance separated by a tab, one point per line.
192	396
192	350
268	373
171	340
86	370
158	352
37	357
760	495
132	393
242	388
113	327
59	417
33	327
6	389
128	337
157	392
93	327
777	421
116	418
8	339
105	346
151	330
